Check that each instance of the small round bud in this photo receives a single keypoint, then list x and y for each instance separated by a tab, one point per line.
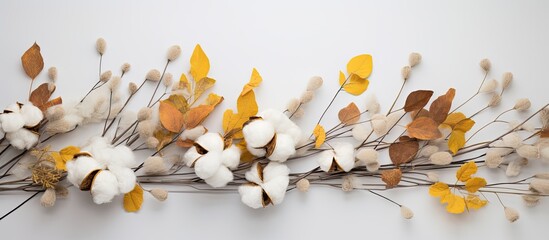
414	59
406	212
167	80
485	64
125	67
159	194
506	80
511	214
174	52
52	74
105	76
101	46
307	96
303	185
522	104
314	83
406	70
114	83
495	100
144	114
132	88
153	75
48	198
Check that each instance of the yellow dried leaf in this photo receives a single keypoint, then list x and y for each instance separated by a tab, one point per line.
466	170
360	65
456	141
453	119
200	64
134	199
202	85
439	189
354	85
474	184
245	156
214	99
246	107
184	83
178	102
320	135
474	202
70	150
170	117
163	136
63	156
464	125
350	114
32	61
255	80
456	204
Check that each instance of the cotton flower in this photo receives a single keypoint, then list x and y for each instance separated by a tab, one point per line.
485	64
105	76
48	198
314	83
303	185
514	167
441	158
307	96
159	194
369	158
340	158
511	214
506	80
174	52
489	86
531	200
405	72
495	100
16	121
153	75
493	159
406	212
22	138
52	74
414	59
125	68
104	187
522	104
101	46
266	185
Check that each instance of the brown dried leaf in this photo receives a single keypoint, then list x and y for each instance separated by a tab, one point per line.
424	128
350	114
417	100
441	106
51	103
32	61
187	143
40	95
196	115
403	151
391	177
420	113
170	117
544	133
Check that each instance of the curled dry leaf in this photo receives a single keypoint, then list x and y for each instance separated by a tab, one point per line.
200	64
403	151
441	106
420	113
424	128
255	80
246	107
417	100
320	135
391	177
134	199
163	136
41	95
32	61
170	117
350	114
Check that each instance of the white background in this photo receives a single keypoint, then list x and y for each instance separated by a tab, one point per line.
288	42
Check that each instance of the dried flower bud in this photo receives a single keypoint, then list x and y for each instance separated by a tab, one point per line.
544	117
307	96
433	176
51	87
485	64
514	167
152	142
512	140
542	175
159	194
511	214
125	67
405	72
52	74
406	212
144	113
105	76
48	198
495	100
522	104
153	75
132	88
540	185
414	59
101	46
292	105
428	150
314	83
489	86
299	113
531	200
441	158
529	151
506	80
61	192
379	124
303	185
349	183
114	83
174	52
167	80
155	165
372	105
493	159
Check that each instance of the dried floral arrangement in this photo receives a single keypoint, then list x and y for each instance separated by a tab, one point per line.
422	141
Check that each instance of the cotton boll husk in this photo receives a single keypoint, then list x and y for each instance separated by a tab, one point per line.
345	156
284	148
126	178
325	159
11	121
22	138
528	151
274	170
314	83
493	159
406	212
514	167
307	96
512	140
174	52
31	114
540	185
153	75
303	185
146	128
292	105
231	157
155	165
207	165
489	86
530	200
360	132
104	187
433	176
522	104
252	175
48	198
211	142
428	150
191	156
251	195
372	105
221	177
511	214
441	158
258	133
379	124
506	79
79	168
276	188
193	133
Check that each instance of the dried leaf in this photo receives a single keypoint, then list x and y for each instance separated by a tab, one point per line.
200	64
441	106
214	99
420	113
464	125
247	107
474	184
544	133
391	177
255	80
202	85
456	141
350	114
184	83
417	100
32	61
40	95
453	119
320	135
456	204
403	151
354	85
466	170
134	199
424	128
170	117
51	103
245	156
187	143
474	202
196	115
360	65
63	156
439	189
178	102
163	136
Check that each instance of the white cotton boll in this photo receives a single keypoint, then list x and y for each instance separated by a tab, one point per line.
372	105
493	159
274	170
281	123
221	178
100	150
522	104
11	121
314	83
79	168
489	86
193	133
258	152
104	187
123	156
22	138
276	189
512	140
251	195
126	178
155	165
231	157
428	150
514	167
258	133
207	165
31	114
191	156
345	156
441	158
379	124
252	175
307	96
211	142
292	130
529	151
325	160
273	116
360	132
284	148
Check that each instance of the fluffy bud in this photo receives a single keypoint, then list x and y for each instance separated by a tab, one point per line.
152	142
493	159
159	194
105	76
485	64
132	88
372	105
495	100
511	214
433	176
489	86
144	113
530	200
428	150
48	198
125	67
292	105
506	80
441	158
52	74
314	83
303	185
167	80
153	75
405	72
528	151
406	212
540	185
155	165
101	46
174	52
414	59
307	96
514	167
522	104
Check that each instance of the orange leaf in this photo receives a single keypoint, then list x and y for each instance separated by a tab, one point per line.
391	177
544	133
134	199
350	114
32	61
187	143
403	151
441	106
417	100
170	117
40	95
51	103
424	128
196	115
